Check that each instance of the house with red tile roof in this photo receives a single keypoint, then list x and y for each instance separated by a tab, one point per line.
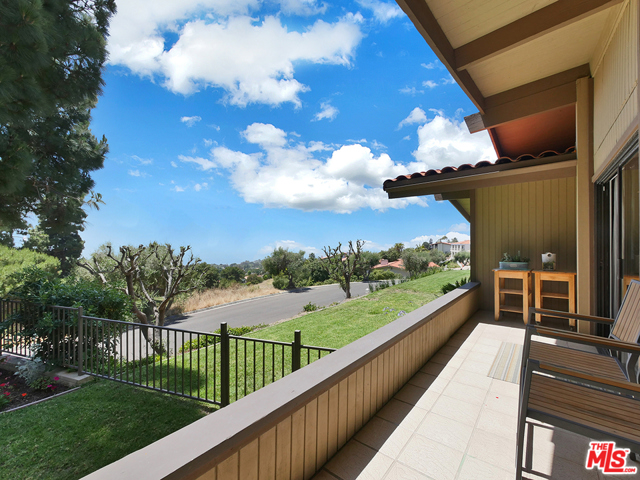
396	267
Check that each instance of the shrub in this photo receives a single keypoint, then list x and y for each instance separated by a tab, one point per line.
254	279
14	262
379	274
452	286
47	334
310	307
31	371
280	282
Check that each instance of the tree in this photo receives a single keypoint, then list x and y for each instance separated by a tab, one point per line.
232	274
284	262
367	262
462	257
209	274
415	262
454	240
51	58
438	256
342	265
13	262
153	276
394	253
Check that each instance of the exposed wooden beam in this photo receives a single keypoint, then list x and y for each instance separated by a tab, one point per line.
552	17
461	208
545	94
452	196
425	22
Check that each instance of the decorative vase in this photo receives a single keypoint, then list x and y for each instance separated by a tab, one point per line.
548	261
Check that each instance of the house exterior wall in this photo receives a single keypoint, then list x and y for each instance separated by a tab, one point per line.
615	72
532	217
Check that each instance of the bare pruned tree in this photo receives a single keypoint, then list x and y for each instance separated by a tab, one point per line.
341	265
154	275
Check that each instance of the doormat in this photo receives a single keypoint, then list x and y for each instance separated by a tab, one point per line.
507	363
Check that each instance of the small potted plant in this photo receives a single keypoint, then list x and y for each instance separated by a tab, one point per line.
514	262
548	261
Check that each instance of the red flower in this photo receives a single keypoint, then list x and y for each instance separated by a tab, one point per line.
56	378
7	393
24	394
3	384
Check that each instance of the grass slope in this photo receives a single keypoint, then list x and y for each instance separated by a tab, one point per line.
338	326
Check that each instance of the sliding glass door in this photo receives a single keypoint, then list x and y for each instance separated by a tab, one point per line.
618	235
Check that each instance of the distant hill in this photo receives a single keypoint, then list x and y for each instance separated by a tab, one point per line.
254	266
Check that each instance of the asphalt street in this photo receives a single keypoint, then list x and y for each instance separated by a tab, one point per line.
265	310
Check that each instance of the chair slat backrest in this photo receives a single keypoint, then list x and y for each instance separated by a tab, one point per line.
627	324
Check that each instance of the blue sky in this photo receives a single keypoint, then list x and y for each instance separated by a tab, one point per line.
238	126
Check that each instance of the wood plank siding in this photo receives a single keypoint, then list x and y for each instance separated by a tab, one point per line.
615	71
532	217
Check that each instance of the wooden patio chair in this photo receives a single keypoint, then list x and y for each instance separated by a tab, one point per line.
598	408
612	360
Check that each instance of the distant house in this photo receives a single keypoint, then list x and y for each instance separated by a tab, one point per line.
395	267
453	248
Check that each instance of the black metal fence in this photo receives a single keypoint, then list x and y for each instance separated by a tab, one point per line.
210	367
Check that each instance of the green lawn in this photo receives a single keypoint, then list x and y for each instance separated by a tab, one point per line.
78	433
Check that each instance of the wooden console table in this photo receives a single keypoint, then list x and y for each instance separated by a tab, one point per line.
553	276
501	292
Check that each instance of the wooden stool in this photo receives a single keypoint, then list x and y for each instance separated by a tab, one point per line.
501	292
553	276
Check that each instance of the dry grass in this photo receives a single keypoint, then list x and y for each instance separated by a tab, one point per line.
220	296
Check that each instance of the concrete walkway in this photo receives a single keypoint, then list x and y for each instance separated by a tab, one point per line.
452	421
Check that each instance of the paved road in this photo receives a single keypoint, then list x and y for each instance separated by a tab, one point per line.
266	309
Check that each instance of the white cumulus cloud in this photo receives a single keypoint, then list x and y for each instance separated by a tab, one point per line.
292	245
382	11
190	121
221	44
417	115
203	162
446	142
303	176
327	111
429	84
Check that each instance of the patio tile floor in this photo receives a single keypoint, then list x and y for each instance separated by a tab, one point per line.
452	422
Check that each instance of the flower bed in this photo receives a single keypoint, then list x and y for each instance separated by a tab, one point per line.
14	391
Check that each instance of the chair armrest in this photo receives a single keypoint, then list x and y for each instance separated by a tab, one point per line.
582	338
585	378
577	316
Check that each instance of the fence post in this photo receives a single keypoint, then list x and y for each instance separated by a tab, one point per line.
296	350
2	307
224	364
80	342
